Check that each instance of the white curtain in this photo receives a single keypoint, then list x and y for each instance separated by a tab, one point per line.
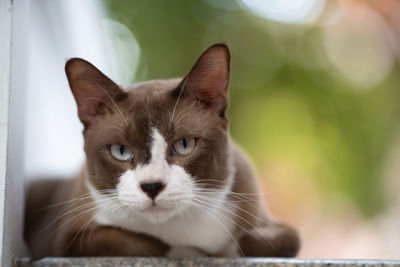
59	30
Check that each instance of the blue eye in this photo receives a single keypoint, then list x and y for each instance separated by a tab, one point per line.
121	152
184	146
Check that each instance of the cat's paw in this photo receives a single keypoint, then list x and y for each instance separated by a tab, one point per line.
270	241
230	251
184	252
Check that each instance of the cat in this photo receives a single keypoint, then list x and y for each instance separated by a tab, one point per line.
162	175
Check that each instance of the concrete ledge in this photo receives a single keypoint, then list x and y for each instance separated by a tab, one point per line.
200	262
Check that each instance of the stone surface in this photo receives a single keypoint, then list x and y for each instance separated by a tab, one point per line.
199	262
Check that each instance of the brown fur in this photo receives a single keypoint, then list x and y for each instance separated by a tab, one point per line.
115	116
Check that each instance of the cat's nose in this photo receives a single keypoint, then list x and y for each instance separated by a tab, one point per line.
152	189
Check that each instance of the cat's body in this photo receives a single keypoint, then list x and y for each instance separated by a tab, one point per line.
162	176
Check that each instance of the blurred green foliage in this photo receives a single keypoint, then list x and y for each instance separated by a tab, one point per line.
287	104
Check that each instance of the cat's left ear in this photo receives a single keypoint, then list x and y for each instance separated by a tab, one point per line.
208	79
93	91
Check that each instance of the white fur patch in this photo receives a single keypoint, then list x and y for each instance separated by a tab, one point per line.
175	216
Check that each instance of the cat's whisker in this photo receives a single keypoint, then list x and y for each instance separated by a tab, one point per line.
213	207
127	214
100	100
217	184
61	215
115	104
231	198
245	197
117	128
63	212
62	203
92	228
177	121
249	198
226	230
176	104
73	219
118	203
210	180
241	209
81	231
218	190
87	210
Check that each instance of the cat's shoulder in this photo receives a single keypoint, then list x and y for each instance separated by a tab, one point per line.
245	176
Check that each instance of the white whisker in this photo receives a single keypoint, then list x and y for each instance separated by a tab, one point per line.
176	103
226	230
115	104
235	223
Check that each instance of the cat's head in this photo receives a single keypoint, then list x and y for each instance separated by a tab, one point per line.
158	147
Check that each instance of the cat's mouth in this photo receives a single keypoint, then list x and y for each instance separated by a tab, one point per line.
157	213
154	207
160	210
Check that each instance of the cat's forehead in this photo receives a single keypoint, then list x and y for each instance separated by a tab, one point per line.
151	101
152	104
154	88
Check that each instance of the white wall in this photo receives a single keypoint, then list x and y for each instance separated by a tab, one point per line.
40	134
5	56
60	30
13	57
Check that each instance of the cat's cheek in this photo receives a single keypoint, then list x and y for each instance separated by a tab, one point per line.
129	192
178	193
105	173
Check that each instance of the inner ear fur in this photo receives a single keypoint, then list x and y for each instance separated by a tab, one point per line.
92	90
208	79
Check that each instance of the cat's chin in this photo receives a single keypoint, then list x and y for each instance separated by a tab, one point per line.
157	214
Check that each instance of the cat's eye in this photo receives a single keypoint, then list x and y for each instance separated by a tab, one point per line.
184	146
121	152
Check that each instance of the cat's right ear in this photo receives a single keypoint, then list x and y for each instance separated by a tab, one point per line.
93	91
208	79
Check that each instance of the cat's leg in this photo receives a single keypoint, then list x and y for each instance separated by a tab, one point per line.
109	241
275	240
259	236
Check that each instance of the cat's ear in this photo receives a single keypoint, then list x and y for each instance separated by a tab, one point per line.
93	91
208	79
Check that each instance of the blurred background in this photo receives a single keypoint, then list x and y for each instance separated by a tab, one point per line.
315	99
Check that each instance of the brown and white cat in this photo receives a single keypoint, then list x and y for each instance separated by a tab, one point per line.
162	176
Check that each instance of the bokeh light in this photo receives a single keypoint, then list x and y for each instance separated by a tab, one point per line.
358	44
287	11
125	49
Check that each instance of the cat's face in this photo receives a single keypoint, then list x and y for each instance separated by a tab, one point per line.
156	147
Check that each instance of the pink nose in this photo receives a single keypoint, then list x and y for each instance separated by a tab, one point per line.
152	189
